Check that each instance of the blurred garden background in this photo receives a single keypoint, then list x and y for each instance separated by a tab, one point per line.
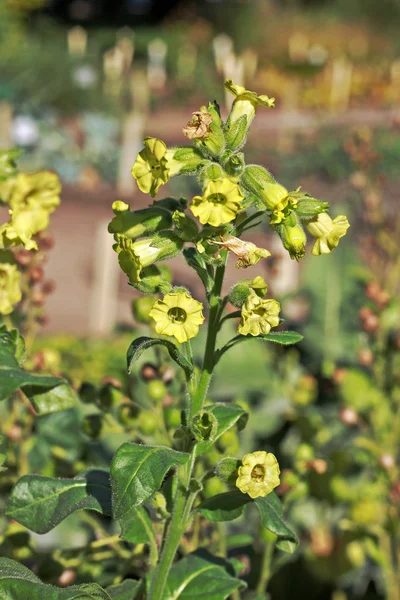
82	82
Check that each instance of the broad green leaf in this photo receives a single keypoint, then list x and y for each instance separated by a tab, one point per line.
137	472
271	514
136	526
19	583
224	507
40	503
227	415
13	342
141	344
59	398
201	576
127	590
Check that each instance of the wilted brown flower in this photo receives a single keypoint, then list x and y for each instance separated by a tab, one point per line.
199	126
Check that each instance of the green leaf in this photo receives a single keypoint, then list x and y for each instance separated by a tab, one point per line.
127	590
141	344
19	583
227	416
285	338
271	514
195	261
201	576
224	507
59	398
136	526
40	503
12	377
137	472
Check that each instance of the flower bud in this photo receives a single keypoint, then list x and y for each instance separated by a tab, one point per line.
227	469
259	182
293	237
242	114
204	426
141	308
211	172
156	389
135	224
242	290
307	207
133	257
233	163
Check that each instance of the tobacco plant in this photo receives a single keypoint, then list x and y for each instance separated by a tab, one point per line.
159	495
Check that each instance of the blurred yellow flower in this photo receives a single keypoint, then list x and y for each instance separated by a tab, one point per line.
151	169
10	291
258	315
178	315
327	231
219	204
259	474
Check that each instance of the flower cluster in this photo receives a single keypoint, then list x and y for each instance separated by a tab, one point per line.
30	198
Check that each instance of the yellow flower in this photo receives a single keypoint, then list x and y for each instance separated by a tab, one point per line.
178	315
151	169
219	204
283	209
247	252
10	291
258	315
293	236
327	231
246	102
259	474
10	237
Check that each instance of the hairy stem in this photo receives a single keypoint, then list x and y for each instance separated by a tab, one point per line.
266	571
213	320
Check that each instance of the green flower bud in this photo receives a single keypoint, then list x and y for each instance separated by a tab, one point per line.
128	413
172	416
92	425
242	290
133	257
156	390
159	504
183	160
204	426
147	422
154	279
135	224
211	172
227	469
141	308
293	236
259	182
308	207
233	163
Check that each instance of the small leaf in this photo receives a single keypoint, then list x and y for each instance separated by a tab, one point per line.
127	590
137	472
201	576
59	398
195	261
271	514
40	503
224	507
227	416
141	344
136	526
285	338
19	583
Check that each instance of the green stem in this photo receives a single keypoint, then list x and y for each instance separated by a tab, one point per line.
208	361
175	530
266	571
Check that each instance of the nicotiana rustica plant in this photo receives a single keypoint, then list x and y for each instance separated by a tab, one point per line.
151	485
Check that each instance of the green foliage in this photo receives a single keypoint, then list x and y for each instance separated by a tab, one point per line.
141	344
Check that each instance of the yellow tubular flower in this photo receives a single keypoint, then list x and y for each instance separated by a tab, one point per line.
258	474
327	231
247	252
246	102
219	204
151	169
178	315
258	315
